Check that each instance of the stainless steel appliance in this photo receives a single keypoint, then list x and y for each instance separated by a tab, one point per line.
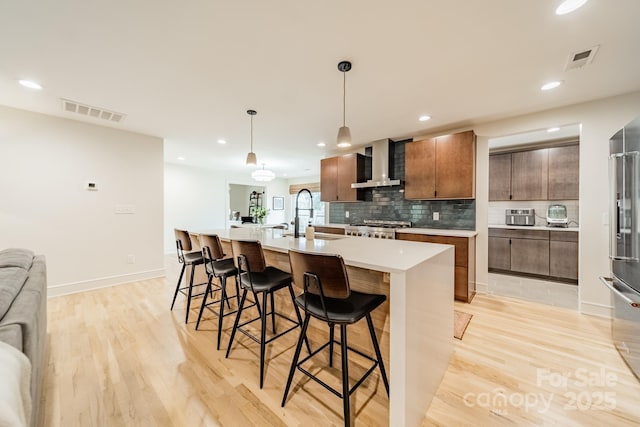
624	244
378	229
520	217
557	216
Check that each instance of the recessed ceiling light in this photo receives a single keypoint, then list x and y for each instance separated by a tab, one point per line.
30	84
568	6
222	141
321	144
551	85
424	118
180	158
553	129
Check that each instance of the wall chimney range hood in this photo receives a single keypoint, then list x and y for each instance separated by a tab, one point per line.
379	167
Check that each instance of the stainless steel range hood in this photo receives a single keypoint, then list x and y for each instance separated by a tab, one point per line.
379	167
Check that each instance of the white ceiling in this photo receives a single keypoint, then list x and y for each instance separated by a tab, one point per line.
536	136
188	71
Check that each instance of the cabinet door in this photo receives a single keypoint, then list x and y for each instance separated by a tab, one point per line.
564	166
563	260
350	170
455	166
499	253
500	177
529	175
329	179
530	256
420	169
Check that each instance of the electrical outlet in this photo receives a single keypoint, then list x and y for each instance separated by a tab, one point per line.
131	259
346	214
436	216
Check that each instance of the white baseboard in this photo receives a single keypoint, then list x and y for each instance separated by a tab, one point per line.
482	288
103	282
595	309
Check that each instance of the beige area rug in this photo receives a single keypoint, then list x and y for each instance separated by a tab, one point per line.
460	322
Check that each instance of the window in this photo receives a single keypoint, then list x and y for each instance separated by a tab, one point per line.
303	212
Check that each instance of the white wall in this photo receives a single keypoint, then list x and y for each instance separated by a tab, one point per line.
198	199
600	120
45	163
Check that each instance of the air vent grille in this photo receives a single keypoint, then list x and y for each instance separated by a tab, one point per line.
581	58
95	112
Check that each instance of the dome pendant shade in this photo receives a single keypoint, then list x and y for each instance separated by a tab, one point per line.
251	159
344	137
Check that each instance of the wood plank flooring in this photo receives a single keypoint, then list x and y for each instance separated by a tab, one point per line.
119	357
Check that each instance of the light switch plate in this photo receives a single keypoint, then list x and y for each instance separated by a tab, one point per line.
436	216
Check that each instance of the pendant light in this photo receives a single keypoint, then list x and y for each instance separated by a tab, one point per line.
251	157
344	133
263	175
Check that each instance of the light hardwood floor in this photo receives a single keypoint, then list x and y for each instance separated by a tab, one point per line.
118	357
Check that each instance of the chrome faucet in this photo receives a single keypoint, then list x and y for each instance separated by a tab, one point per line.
296	221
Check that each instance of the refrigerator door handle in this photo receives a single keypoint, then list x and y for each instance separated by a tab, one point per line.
623	240
614	287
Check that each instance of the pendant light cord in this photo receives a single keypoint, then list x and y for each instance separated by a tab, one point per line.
344	98
251	132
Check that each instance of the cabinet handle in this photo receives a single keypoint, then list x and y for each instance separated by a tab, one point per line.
510	196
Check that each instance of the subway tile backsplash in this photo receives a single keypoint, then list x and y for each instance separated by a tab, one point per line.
388	203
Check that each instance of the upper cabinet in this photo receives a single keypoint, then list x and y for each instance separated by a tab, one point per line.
564	167
541	174
500	177
529	175
336	176
441	168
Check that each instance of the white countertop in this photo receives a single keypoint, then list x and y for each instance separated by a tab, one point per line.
535	227
392	256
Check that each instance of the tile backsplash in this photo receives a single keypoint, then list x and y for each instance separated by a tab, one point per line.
497	210
388	203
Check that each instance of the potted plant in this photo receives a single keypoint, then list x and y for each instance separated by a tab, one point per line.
260	215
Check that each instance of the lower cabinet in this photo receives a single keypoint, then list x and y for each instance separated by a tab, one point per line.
547	254
465	260
330	230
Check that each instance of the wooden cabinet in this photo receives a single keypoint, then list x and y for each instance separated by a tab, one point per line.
499	253
564	171
465	260
542	253
420	169
500	177
563	254
441	168
330	230
529	175
541	174
336	176
530	255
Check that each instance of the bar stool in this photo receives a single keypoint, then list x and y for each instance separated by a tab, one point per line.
257	277
220	268
186	257
328	297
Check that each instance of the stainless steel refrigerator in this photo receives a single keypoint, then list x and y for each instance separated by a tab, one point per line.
624	245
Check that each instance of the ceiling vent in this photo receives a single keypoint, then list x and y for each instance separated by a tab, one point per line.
95	112
581	58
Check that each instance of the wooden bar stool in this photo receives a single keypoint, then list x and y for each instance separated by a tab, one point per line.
219	267
257	277
186	258
328	297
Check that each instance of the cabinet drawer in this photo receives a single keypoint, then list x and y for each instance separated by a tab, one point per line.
461	244
330	230
519	234
563	236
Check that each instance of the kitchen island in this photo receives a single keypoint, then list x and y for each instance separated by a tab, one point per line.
415	326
